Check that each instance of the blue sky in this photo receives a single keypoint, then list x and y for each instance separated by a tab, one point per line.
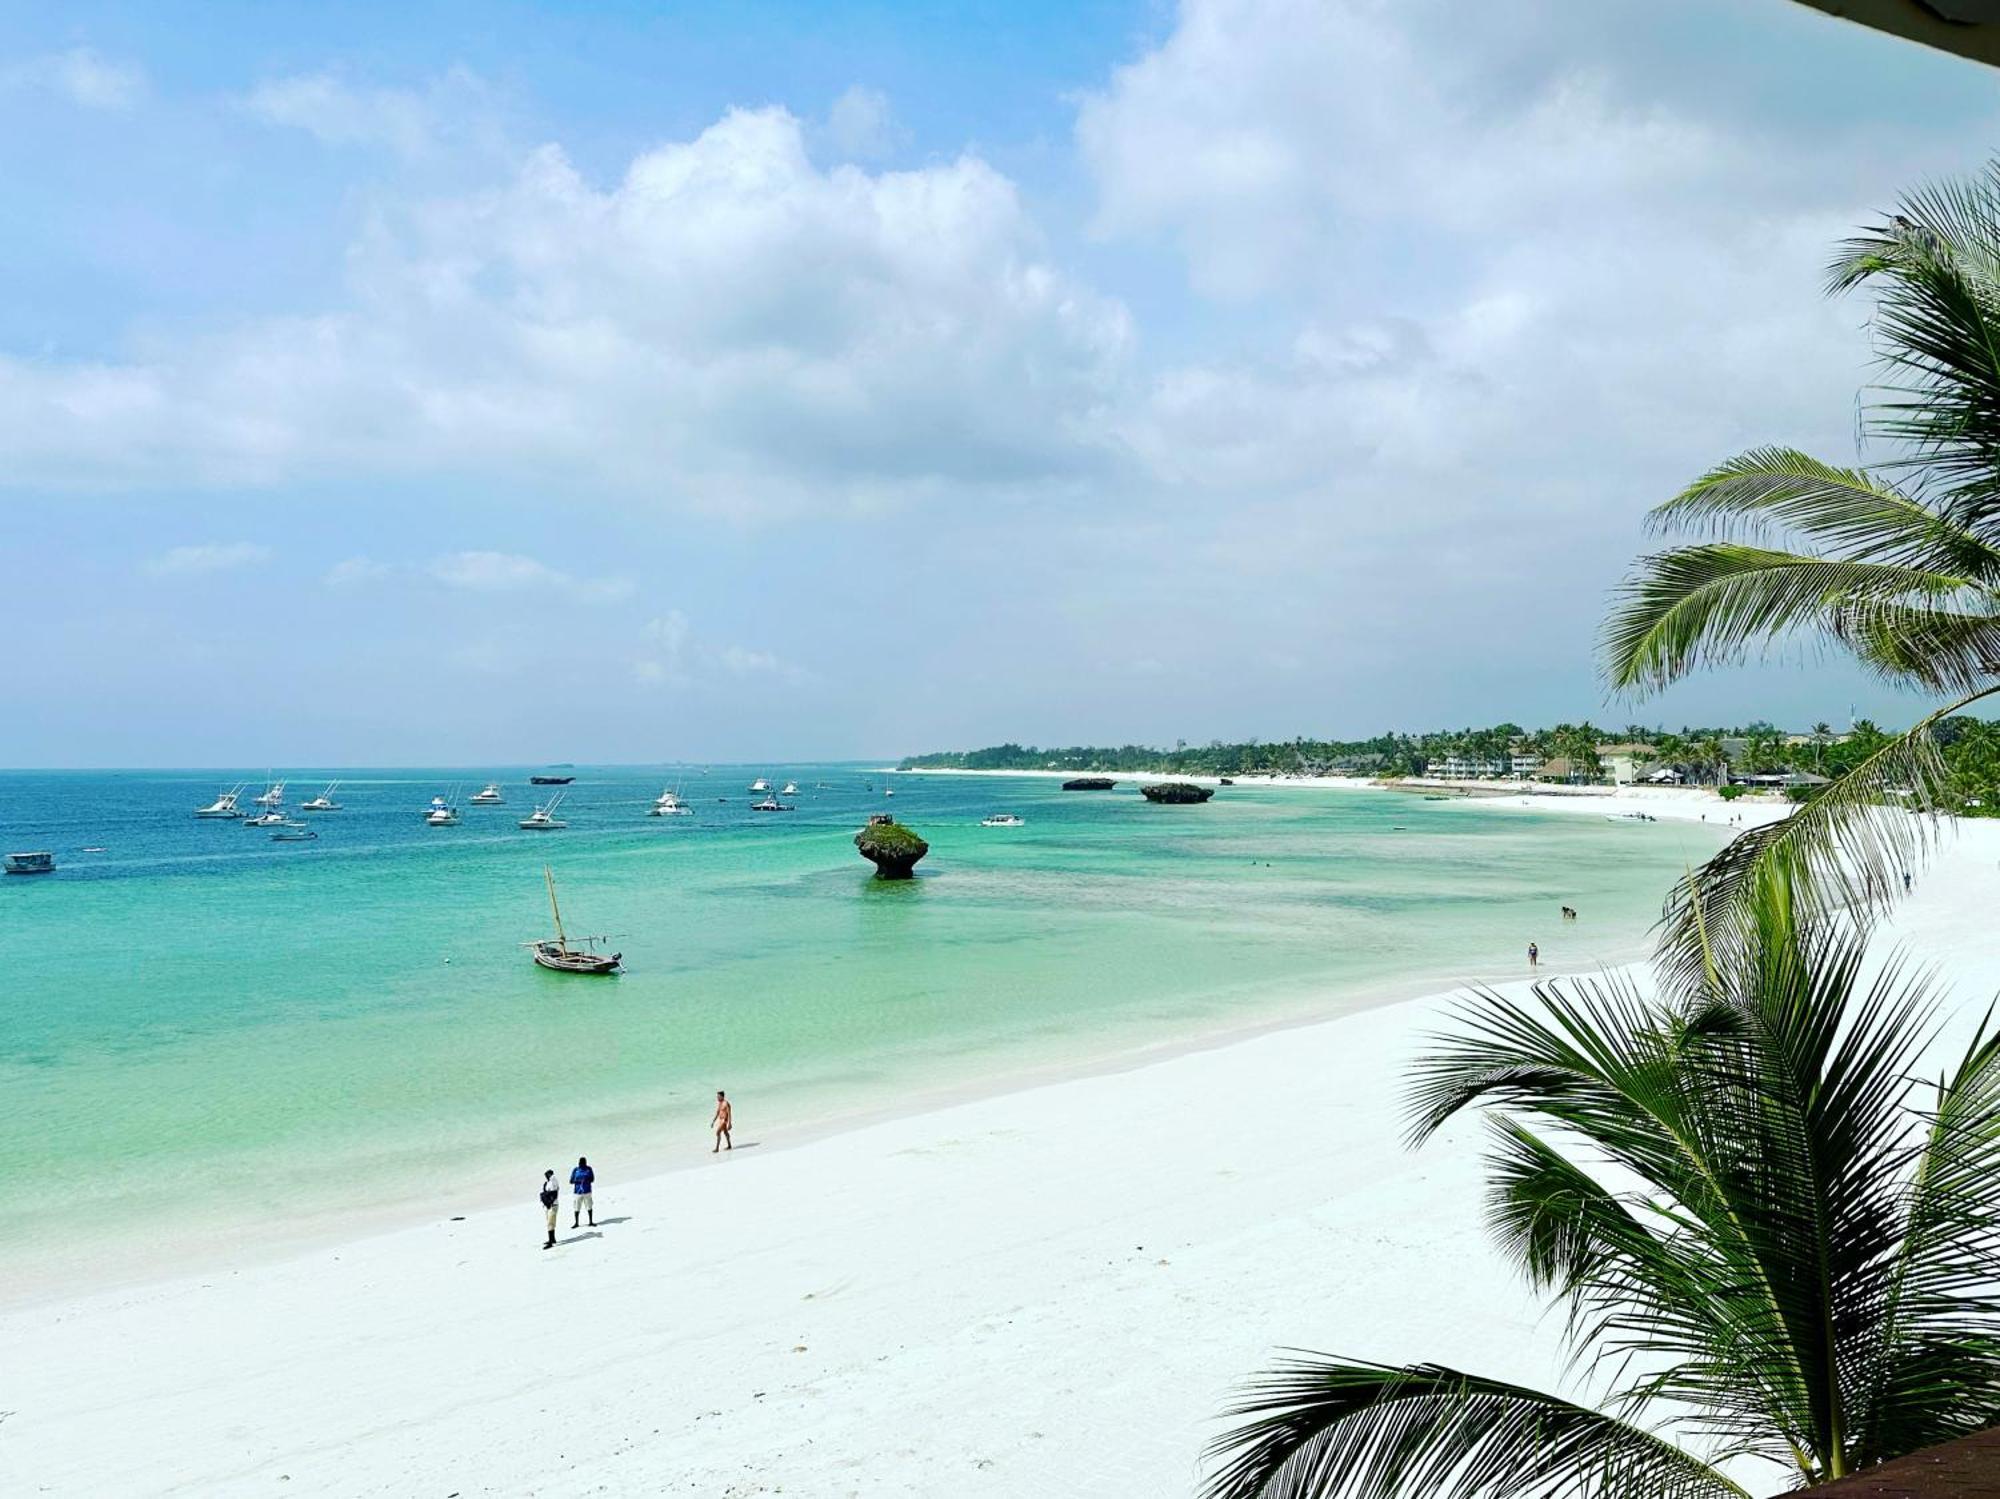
849	379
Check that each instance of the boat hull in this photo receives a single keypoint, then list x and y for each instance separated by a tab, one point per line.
556	960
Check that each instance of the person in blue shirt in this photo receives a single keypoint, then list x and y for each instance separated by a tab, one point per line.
580	1181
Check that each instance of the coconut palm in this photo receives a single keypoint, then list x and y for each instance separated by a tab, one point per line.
1897	565
1779	1242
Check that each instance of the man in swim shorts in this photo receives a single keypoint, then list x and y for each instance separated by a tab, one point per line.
720	1123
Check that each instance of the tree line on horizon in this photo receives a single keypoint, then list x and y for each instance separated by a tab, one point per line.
1969	746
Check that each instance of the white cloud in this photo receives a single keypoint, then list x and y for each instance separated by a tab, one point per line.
354	571
414	124
81	76
671	654
209	557
508	572
861	125
726	328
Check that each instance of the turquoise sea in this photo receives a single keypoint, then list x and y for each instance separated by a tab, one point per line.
205	1028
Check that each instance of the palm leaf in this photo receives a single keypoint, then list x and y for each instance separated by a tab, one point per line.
1718	602
1323	1429
1844	852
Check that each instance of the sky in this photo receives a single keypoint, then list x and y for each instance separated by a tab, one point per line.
489	383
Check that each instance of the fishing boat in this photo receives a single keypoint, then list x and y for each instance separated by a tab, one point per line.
772	804
271	819
442	813
550	780
324	802
558	954
1003	820
39	862
791	789
760	784
272	795
489	796
293	832
669	804
543	819
224	805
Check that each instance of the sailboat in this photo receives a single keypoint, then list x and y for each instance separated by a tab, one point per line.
543	819
324	802
273	795
556	952
224	804
669	804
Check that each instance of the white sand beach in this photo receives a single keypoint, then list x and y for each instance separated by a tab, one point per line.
1049	1292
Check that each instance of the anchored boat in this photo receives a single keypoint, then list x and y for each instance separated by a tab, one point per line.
324	802
543	819
558	954
224	806
34	863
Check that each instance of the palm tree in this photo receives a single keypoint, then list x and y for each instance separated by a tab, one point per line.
1782	1245
1898	565
1822	732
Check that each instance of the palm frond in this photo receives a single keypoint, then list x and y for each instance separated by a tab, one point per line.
1320	1428
1718	603
1935	268
1767	491
1932	644
1844	852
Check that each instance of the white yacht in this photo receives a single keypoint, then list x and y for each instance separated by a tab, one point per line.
272	795
489	796
224	805
791	789
543	819
1003	820
669	804
760	784
275	818
324	802
772	804
442	814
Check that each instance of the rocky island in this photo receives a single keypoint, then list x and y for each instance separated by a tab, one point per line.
1089	783
892	848
1177	793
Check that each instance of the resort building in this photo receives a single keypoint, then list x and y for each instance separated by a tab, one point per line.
1624	763
1524	761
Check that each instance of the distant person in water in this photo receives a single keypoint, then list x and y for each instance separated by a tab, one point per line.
551	1197
1534	955
720	1123
584	1205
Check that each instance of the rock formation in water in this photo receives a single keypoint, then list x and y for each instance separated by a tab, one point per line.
1089	783
892	848
1176	793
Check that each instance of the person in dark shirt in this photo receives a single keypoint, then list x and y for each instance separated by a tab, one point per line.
579	1183
551	1198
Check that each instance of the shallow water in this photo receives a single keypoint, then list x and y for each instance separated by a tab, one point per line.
198	1012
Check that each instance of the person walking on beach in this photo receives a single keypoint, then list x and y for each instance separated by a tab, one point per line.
583	1204
720	1123
551	1197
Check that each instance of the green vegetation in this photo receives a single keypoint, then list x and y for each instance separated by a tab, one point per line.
1768	1236
892	848
1969	749
1897	565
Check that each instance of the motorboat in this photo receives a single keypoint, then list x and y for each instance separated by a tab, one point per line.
224	806
1003	820
791	789
272	795
669	804
489	796
39	862
442	814
324	802
293	832
565	954
760	784
271	819
772	804
543	819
